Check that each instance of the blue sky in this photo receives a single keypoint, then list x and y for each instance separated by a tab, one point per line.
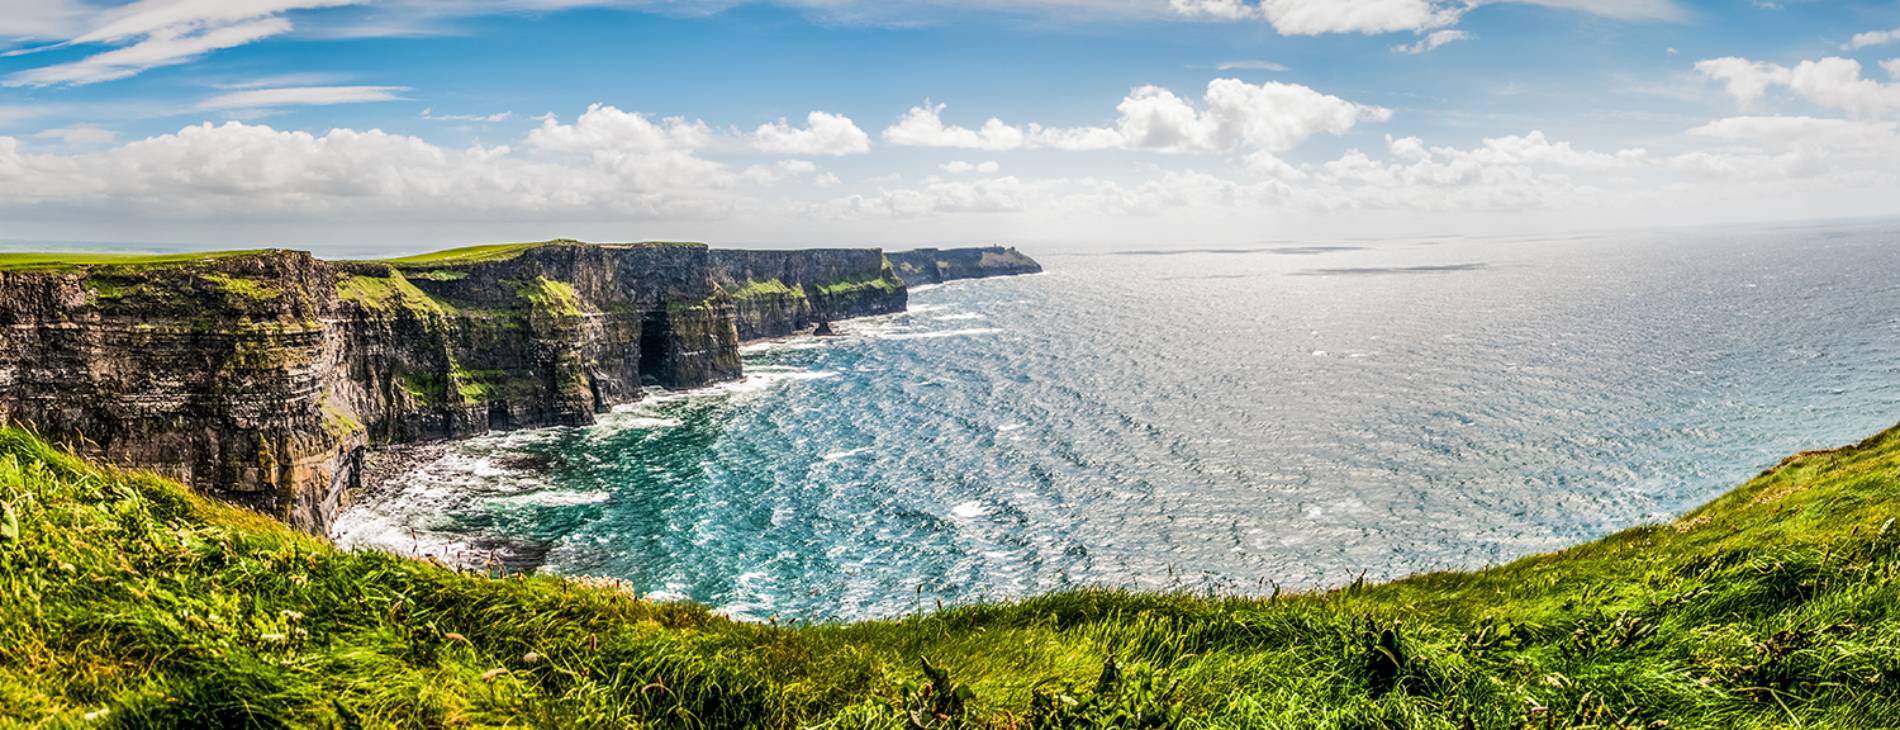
341	124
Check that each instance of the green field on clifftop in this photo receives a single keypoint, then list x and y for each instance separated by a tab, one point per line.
55	260
127	601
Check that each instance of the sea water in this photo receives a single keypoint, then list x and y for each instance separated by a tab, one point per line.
1289	415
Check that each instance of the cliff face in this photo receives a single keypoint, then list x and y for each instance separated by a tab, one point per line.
262	377
935	266
777	293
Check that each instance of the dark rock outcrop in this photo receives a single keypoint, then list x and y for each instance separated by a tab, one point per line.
263	377
935	266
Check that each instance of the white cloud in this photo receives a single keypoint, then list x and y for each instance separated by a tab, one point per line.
303	96
161	33
79	135
1665	10
824	134
1315	17
1512	173
959	167
1871	38
608	163
1251	65
429	114
1834	83
148	17
164	47
923	126
1233	116
40	18
782	170
1432	42
1745	80
606	130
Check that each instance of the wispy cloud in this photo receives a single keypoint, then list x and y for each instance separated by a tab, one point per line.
166	47
303	96
157	33
1871	39
1249	65
79	135
1432	42
429	114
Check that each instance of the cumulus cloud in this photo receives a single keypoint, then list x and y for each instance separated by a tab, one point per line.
1519	172
824	134
1833	83
1233	116
1745	80
923	126
959	167
606	163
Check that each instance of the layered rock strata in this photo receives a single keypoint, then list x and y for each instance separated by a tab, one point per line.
262	377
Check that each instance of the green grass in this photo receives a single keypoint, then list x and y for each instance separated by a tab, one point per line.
755	289
63	261
887	283
241	288
550	297
472	385
472	254
389	293
127	599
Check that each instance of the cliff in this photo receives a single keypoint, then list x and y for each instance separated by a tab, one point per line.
261	377
777	293
935	266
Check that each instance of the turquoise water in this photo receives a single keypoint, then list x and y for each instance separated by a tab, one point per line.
1290	414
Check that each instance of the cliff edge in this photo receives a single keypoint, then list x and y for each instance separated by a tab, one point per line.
938	265
261	377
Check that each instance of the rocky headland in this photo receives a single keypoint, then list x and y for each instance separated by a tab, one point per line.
265	377
938	265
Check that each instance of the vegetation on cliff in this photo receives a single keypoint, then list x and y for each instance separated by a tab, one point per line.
390	293
67	260
132	602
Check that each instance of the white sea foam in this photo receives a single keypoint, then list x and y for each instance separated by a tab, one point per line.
970	510
969	332
959	317
846	454
554	498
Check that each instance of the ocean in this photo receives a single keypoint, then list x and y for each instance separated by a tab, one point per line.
1238	420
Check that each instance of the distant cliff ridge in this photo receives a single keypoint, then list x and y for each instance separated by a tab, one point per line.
261	377
935	266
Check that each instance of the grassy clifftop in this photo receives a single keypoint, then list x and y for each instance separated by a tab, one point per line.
126	600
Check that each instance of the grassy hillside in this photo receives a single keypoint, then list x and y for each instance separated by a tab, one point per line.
127	601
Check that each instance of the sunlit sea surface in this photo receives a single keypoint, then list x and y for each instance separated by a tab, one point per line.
1295	414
